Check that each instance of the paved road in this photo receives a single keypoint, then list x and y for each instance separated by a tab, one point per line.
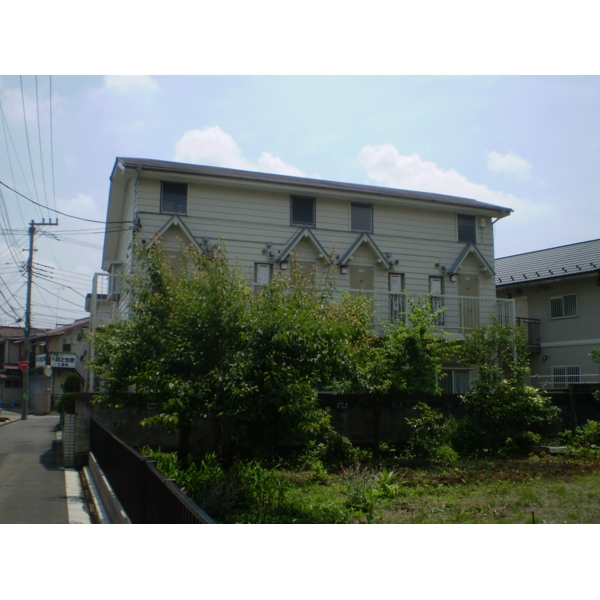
32	488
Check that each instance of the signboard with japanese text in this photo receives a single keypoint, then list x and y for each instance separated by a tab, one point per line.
64	360
40	360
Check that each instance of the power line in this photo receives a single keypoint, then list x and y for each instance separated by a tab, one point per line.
27	138
5	129
52	145
65	214
39	127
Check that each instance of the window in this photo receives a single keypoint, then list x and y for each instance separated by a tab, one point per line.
173	198
303	211
467	230
562	376
66	347
563	306
456	382
13	383
361	217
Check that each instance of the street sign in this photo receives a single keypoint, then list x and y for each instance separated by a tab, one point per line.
23	364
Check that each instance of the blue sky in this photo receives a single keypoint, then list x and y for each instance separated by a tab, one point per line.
531	143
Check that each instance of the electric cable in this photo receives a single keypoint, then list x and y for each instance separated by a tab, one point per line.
52	145
27	138
66	214
39	127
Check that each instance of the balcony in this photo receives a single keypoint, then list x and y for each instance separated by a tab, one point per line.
533	333
462	313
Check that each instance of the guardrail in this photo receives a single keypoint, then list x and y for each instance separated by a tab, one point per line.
533	330
147	496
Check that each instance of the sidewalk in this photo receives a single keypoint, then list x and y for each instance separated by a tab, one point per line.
32	488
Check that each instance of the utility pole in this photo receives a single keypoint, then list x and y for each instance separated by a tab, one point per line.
32	226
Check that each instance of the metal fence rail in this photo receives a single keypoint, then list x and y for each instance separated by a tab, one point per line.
146	494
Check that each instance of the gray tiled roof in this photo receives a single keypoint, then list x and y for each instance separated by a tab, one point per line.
63	328
563	261
300	182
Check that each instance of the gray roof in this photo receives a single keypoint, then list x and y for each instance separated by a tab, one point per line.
563	261
299	182
63	328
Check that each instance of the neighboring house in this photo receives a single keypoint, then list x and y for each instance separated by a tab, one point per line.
11	377
65	349
557	297
11	352
380	241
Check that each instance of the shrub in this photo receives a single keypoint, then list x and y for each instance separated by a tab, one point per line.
585	436
71	386
467	436
498	399
429	432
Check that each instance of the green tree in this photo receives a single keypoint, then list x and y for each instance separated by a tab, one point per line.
499	399
406	359
178	339
297	340
595	354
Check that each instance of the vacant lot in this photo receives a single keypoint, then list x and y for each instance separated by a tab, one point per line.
538	490
547	489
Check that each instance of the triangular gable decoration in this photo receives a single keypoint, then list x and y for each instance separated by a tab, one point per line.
364	238
471	248
305	233
174	221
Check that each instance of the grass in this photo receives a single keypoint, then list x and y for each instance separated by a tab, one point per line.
548	489
540	490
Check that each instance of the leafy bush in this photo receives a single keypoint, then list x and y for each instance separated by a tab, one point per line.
247	492
585	436
498	399
429	432
71	387
468	436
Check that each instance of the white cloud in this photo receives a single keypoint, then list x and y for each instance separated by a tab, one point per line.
125	84
273	164
212	145
510	165
386	166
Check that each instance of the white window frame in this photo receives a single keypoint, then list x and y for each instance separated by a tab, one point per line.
563	304
572	377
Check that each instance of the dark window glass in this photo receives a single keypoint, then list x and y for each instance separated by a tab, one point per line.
361	217
173	198
302	211
467	231
66	348
563	306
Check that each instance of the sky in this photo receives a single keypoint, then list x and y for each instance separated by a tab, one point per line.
530	143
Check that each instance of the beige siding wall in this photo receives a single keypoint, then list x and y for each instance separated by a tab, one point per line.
247	219
568	340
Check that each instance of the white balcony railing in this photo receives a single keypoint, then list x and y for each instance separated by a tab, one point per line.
461	314
554	382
